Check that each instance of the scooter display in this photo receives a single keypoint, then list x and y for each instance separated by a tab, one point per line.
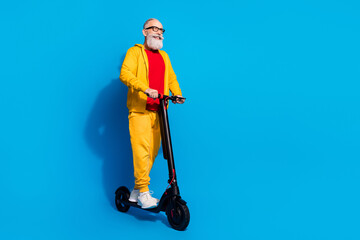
171	202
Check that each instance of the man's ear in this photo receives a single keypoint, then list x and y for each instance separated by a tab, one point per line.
144	32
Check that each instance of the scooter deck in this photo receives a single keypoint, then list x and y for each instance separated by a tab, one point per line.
134	204
162	204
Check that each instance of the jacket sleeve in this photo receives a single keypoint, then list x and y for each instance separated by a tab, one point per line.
128	72
173	83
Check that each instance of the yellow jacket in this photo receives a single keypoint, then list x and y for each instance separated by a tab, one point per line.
135	75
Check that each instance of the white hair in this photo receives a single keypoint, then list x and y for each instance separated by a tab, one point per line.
147	21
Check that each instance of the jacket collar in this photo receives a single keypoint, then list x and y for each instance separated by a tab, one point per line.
145	55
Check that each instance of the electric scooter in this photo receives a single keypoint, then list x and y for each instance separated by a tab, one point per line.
171	203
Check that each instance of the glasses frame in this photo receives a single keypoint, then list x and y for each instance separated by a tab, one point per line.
155	29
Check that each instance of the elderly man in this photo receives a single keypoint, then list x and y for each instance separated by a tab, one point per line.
146	71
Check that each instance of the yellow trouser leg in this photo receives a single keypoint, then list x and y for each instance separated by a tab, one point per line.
145	142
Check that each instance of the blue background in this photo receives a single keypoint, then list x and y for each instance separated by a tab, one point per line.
266	145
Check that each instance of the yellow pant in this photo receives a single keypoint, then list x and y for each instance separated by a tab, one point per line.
145	139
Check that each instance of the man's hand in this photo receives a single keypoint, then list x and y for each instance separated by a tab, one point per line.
152	93
181	101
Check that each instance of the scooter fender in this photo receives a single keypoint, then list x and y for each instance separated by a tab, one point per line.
182	201
119	189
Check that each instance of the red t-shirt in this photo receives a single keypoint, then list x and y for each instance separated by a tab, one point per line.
156	77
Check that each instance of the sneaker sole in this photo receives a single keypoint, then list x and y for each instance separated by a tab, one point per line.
153	206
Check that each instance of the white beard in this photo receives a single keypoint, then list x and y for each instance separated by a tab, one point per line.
154	43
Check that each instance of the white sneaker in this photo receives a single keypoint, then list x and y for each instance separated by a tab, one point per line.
146	200
134	195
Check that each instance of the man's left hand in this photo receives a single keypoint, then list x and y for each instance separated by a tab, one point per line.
178	100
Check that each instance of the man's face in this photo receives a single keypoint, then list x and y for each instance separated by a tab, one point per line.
153	34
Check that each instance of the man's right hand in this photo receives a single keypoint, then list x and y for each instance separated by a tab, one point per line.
152	93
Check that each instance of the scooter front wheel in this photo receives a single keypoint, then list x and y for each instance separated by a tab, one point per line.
122	194
178	215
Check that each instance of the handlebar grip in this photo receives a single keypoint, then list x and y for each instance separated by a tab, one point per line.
173	98
179	97
159	95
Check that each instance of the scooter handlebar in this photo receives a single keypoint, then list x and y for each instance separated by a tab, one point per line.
172	98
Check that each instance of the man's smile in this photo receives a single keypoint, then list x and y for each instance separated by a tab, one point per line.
157	37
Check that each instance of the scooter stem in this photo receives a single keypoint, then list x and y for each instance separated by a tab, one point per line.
167	146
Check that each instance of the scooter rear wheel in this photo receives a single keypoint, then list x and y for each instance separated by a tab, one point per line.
122	194
178	215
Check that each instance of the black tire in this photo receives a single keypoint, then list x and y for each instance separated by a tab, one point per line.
178	215
122	195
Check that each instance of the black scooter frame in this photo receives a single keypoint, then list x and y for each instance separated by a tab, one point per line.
172	193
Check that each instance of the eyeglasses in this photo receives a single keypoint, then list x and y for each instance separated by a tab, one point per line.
155	29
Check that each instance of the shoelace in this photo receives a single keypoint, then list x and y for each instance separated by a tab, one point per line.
149	194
